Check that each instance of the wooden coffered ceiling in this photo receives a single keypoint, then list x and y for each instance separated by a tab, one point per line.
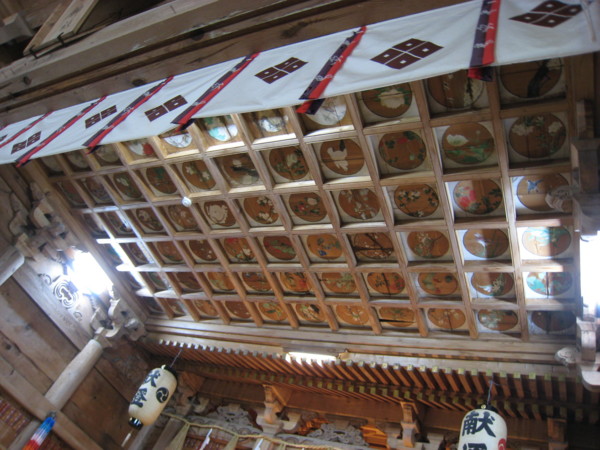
405	220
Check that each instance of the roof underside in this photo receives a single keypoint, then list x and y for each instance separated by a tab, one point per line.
404	220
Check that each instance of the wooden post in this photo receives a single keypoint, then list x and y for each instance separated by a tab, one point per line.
168	433
183	407
70	379
10	261
65	385
267	419
141	438
36	404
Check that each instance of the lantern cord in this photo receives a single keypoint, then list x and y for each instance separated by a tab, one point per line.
176	357
489	396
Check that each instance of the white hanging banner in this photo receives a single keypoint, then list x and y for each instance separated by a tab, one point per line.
145	110
409	48
275	78
414	50
534	29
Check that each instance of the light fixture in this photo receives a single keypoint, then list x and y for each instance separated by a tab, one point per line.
152	396
87	275
483	428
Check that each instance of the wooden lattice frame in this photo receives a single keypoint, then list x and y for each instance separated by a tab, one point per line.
257	150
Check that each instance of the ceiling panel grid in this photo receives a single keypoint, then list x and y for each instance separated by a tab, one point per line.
416	209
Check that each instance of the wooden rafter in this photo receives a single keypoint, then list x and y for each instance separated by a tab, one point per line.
425	384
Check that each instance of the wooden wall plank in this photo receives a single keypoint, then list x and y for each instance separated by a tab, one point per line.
32	400
13	355
97	402
24	324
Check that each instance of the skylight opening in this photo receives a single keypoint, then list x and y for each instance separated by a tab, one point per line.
316	357
589	250
88	275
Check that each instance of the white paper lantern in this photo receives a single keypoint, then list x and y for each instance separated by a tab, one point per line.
152	396
482	429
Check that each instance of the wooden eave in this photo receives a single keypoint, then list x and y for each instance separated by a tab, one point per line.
543	391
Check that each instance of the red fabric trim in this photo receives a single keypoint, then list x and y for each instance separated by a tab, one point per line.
320	88
213	92
304	107
126	113
474	72
27	156
24	130
489	51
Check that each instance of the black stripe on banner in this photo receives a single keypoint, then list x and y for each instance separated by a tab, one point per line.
481	34
95	140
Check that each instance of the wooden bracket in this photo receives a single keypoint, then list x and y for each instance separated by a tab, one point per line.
410	425
557	429
14	27
276	399
66	19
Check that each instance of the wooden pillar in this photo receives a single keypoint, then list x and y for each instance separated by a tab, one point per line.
182	408
36	404
168	433
65	385
73	375
141	438
10	260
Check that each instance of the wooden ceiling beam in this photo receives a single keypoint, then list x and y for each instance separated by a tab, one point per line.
177	37
533	352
